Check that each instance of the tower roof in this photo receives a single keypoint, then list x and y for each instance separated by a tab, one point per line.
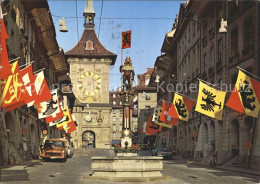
99	50
89	7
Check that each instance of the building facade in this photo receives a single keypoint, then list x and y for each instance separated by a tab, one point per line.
32	39
89	63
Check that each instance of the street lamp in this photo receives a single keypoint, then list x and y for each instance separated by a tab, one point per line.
63	26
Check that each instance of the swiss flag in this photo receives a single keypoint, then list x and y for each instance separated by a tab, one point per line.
165	117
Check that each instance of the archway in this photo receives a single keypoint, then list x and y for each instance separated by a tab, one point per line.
10	128
234	134
89	139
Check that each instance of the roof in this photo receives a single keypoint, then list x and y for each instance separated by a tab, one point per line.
98	52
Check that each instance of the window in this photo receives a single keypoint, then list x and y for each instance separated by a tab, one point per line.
234	42
114	95
220	51
147	106
114	135
248	32
114	102
147	81
147	96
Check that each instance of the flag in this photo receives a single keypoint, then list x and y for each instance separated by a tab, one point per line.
68	118
156	115
25	76
57	116
126	39
50	107
42	92
165	117
245	96
181	107
151	127
11	88
5	68
210	101
71	126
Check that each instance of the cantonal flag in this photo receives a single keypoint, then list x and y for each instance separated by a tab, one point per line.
156	115
42	92
5	68
26	76
57	116
181	107
245	96
126	39
165	117
210	101
11	88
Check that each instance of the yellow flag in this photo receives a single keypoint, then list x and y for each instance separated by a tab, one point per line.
247	94
67	116
210	101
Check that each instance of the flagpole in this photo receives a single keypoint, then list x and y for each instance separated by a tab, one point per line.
213	85
38	71
247	72
185	96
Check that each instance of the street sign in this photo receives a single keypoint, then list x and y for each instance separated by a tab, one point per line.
248	146
44	132
25	131
195	134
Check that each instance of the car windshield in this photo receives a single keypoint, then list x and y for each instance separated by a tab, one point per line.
54	144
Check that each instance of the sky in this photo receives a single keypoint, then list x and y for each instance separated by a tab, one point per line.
148	20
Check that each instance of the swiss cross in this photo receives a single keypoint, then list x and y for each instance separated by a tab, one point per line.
169	118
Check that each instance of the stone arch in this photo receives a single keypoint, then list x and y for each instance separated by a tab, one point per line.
10	128
89	138
234	136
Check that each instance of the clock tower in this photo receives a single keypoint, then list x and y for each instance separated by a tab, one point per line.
89	63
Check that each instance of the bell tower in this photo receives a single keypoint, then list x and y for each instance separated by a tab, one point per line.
89	15
90	63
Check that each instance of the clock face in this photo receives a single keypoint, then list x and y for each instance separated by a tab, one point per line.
89	86
88	118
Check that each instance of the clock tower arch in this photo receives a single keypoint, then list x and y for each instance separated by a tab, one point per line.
89	64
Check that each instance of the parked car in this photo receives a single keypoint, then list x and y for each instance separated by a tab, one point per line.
55	149
154	151
70	150
166	153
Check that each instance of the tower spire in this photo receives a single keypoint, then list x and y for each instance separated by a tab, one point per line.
89	15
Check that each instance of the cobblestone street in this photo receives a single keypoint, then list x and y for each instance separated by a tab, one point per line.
80	164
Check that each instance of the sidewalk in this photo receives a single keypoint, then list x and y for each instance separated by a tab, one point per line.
228	168
23	165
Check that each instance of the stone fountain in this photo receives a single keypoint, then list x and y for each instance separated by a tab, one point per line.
127	166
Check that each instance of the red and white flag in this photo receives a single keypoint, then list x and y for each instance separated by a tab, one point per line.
165	117
5	67
58	116
42	92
